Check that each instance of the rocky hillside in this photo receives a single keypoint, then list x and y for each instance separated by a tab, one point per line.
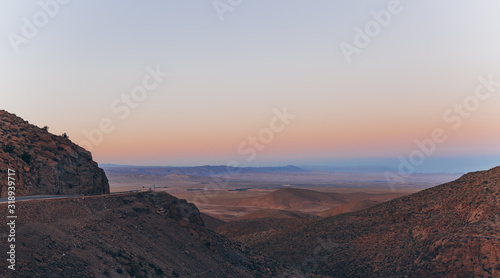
46	164
349	207
451	230
129	235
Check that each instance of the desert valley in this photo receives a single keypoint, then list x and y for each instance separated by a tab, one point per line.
228	192
261	222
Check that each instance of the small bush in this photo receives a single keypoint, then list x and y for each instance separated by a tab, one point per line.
45	128
119	271
26	157
9	149
158	270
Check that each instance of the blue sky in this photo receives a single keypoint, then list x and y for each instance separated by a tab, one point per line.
226	77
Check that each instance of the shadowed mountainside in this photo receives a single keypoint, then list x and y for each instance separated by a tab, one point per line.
46	164
136	235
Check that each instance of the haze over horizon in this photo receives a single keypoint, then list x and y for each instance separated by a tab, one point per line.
227	80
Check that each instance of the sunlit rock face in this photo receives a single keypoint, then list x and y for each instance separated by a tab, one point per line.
45	164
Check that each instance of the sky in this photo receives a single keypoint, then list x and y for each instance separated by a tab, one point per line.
184	83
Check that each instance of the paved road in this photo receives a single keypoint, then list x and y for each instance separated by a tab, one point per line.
39	197
45	197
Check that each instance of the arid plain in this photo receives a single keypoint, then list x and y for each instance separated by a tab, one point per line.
230	196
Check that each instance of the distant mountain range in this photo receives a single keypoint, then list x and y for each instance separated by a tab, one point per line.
208	170
352	169
200	171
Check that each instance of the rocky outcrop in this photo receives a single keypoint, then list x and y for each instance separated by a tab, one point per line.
45	164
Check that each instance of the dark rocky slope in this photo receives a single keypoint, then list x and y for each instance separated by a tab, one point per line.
46	164
129	235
